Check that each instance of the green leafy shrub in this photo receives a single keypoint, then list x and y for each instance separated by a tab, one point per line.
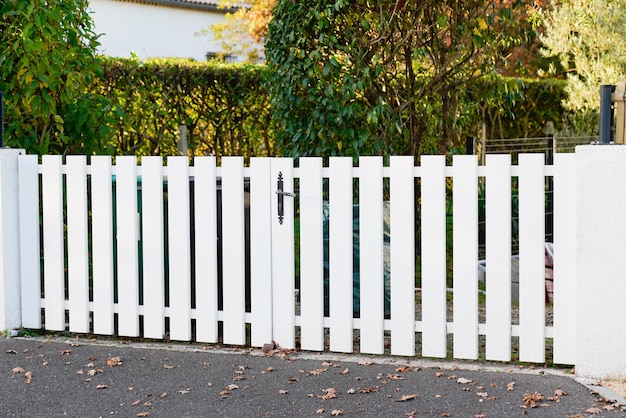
47	67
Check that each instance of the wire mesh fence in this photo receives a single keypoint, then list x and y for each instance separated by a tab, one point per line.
548	145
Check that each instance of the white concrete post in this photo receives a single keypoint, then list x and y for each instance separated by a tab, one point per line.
601	258
10	312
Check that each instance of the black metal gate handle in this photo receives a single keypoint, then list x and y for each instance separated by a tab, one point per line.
281	194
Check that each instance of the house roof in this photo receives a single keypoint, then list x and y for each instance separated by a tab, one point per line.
211	5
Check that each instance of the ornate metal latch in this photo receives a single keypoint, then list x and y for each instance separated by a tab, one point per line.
281	194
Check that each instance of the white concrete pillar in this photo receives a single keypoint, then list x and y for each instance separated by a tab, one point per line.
601	258
10	312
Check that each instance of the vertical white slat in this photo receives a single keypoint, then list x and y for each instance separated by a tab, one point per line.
371	258
261	198
205	217
465	256
565	283
77	248
30	266
233	251
433	223
531	258
152	244
102	244
283	281
340	254
127	241
498	257
402	185
311	254
179	245
53	243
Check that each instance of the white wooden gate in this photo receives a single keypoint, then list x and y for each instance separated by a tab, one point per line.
115	257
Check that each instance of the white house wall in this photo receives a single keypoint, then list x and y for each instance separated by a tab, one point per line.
153	31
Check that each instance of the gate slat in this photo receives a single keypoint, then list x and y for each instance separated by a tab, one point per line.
29	241
433	224
261	199
564	252
179	246
77	249
102	244
152	243
127	237
53	246
531	258
372	269
402	256
465	256
233	251
340	254
283	286
498	257
311	254
205	217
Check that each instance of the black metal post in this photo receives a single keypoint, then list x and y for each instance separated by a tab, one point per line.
549	220
470	142
1	119
606	114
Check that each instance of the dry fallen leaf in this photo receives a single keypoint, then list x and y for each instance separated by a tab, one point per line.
167	366
65	352
351	391
480	416
593	410
102	387
137	402
345	371
403	369
232	387
18	370
438	374
336	412
185	391
394	377
142	414
163	395
405	398
463	380
320	411
560	392
11	352
482	394
366	363
114	361
510	386
531	400
369	390
328	394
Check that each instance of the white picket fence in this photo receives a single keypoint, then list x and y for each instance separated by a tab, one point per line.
105	258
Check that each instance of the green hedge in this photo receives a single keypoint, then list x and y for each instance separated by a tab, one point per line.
223	106
226	109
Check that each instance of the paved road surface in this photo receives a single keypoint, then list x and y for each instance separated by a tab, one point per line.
60	377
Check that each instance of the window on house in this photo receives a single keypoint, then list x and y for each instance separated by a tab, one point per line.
221	57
